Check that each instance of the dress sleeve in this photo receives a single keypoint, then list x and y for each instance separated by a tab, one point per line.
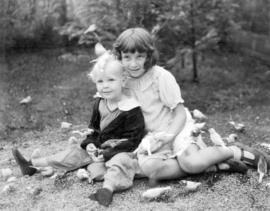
169	90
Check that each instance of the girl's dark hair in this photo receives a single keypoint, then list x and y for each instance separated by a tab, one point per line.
136	39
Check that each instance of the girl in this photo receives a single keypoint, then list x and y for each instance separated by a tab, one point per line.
117	123
160	98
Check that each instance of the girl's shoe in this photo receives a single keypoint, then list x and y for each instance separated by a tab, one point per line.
251	156
25	166
234	166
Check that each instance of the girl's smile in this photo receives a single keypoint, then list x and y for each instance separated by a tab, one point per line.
134	63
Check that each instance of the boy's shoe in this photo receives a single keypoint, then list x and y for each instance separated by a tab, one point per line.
103	196
25	166
234	166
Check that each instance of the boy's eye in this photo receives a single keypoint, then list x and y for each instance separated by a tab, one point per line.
111	79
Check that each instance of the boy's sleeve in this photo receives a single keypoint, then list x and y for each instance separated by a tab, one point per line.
91	138
169	90
94	124
133	130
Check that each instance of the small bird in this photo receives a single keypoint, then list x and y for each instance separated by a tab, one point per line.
83	133
73	140
198	115
26	100
82	174
46	171
237	126
154	193
216	138
36	154
266	145
145	144
99	49
91	28
262	168
197	127
190	185
232	138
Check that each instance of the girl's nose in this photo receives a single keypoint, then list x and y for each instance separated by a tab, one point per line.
133	63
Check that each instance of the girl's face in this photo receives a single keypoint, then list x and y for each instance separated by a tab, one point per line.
110	81
134	63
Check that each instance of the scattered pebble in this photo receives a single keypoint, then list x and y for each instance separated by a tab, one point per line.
11	179
34	191
65	125
8	188
6	173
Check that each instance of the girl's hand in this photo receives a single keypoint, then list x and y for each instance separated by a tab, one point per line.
159	140
156	144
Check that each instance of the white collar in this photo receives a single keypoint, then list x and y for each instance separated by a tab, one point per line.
127	103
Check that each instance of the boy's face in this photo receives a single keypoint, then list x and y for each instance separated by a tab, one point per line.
134	63
109	82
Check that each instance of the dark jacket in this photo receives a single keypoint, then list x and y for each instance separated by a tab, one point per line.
128	124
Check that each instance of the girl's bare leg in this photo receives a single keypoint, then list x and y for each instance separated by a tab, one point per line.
195	160
160	169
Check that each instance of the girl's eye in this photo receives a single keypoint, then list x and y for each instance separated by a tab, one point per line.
141	56
99	81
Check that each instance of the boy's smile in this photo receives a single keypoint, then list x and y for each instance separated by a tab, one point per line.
109	82
134	63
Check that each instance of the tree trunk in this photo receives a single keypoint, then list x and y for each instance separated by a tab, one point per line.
193	45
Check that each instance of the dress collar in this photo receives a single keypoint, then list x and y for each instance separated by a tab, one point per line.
126	104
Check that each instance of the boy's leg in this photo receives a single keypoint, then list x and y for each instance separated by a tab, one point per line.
97	170
121	170
69	159
25	165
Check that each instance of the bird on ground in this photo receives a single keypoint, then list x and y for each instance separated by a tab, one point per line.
216	138
262	168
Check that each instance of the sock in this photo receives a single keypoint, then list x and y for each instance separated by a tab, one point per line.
25	166
103	196
237	153
223	166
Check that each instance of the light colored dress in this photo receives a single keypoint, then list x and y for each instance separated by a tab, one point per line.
158	94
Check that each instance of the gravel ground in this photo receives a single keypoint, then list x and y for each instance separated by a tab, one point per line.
53	91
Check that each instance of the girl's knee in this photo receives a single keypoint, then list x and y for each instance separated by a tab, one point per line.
150	167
